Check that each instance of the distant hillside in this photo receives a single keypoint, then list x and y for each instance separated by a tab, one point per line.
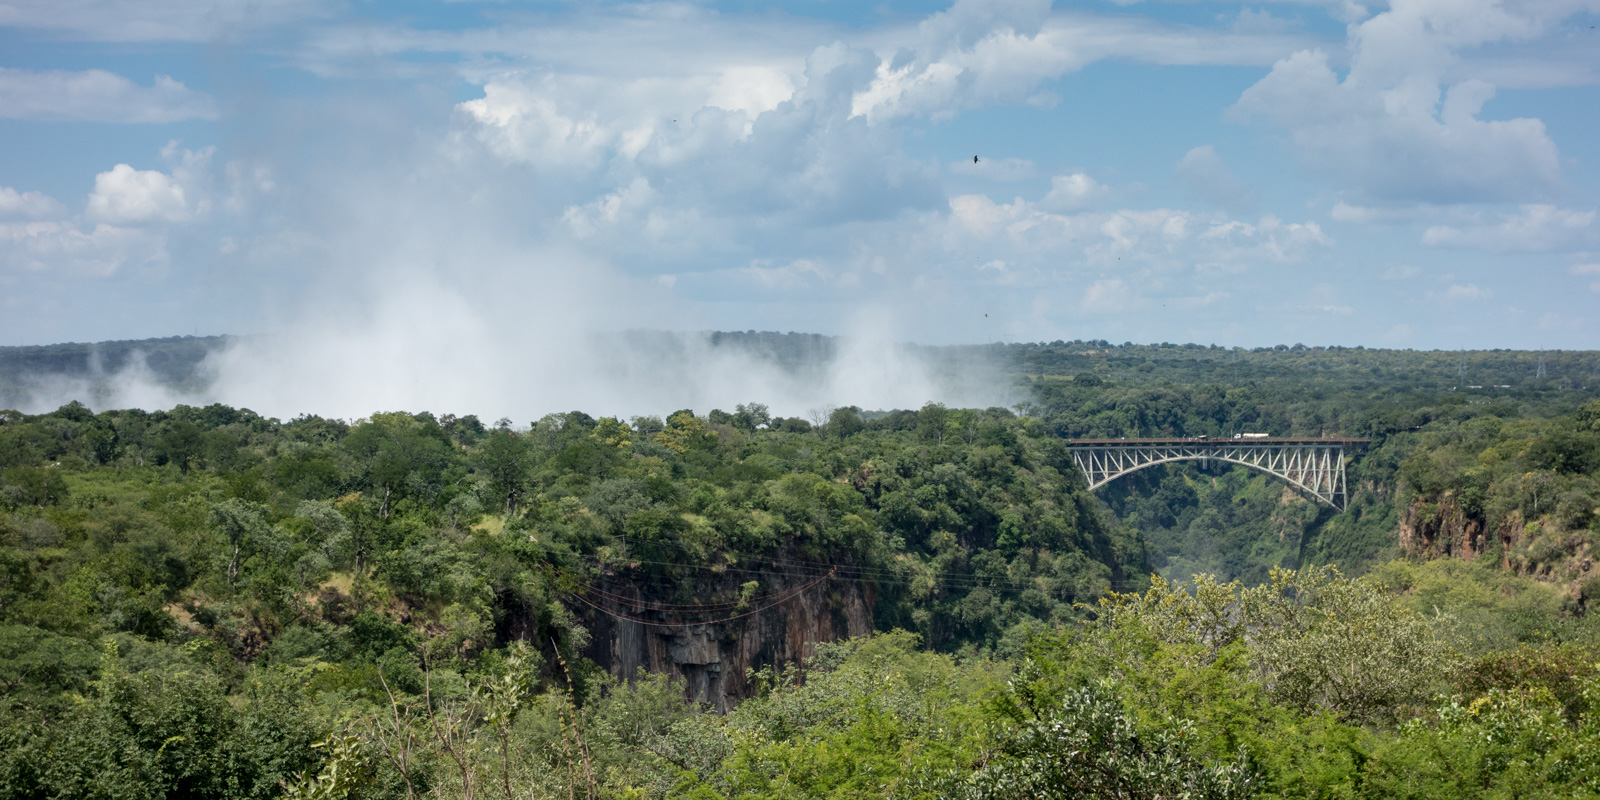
172	361
1041	368
39	377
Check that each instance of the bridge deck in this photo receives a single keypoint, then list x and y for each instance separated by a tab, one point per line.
1196	440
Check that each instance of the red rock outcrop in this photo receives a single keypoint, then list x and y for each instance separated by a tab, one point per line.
1436	530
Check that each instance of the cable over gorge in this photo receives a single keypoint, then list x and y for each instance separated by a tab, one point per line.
687	615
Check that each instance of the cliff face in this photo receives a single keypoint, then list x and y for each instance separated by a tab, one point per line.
1538	548
712	658
1437	530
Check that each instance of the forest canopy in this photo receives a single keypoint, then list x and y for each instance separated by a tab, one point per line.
924	602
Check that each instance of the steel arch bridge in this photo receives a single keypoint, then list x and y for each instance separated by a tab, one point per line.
1314	466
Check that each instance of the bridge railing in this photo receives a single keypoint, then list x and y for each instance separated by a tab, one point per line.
1224	440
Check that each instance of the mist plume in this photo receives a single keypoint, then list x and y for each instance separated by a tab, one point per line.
402	268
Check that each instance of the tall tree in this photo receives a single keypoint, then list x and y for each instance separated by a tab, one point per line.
506	460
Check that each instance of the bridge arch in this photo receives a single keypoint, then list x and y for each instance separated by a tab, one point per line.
1314	466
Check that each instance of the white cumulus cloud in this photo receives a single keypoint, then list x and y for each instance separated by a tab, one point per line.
152	20
1591	270
98	96
28	205
125	195
977	54
1074	192
57	246
1401	142
804	160
1208	177
1536	228
1404	123
965	57
1467	291
1031	234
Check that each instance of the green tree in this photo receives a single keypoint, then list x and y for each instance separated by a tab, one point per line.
844	422
750	416
244	527
37	667
400	455
506	460
932	422
182	443
34	486
1090	747
1324	641
1316	639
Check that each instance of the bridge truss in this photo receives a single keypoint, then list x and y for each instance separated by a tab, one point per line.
1314	466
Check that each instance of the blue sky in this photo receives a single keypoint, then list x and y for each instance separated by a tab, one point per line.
1409	174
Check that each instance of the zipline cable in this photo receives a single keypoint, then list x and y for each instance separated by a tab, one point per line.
789	596
949	578
793	561
660	606
953	581
891	574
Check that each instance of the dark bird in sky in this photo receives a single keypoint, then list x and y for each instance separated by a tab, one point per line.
974	159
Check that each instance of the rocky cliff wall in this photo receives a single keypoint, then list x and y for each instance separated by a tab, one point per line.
1442	529
713	659
1538	548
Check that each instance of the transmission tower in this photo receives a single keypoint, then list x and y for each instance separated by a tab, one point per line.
1540	373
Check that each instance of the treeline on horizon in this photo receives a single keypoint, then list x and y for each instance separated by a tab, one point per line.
176	361
202	602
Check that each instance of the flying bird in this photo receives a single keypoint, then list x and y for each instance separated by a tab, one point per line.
974	159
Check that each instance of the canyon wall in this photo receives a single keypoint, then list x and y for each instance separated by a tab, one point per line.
1540	548
713	658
